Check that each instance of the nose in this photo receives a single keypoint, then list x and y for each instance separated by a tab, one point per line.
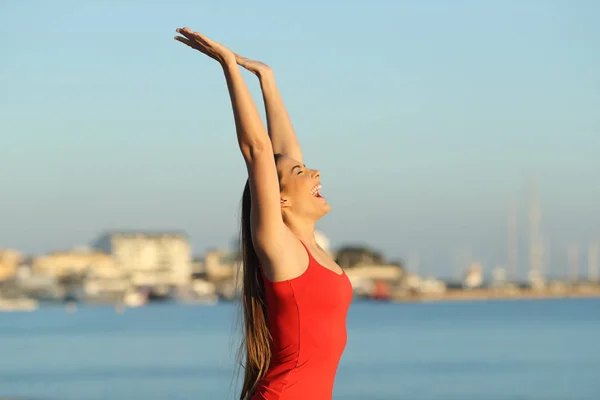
316	173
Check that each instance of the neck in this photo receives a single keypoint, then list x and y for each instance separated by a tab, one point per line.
304	230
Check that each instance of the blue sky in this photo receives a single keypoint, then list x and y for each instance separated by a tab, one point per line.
425	118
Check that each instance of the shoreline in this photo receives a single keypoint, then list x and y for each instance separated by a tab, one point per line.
496	294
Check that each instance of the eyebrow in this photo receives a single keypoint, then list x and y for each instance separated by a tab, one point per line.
297	166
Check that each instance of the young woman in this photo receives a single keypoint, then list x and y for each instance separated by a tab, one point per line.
295	297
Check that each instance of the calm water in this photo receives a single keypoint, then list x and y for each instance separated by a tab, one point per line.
471	351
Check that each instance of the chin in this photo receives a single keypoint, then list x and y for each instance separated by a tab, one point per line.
325	208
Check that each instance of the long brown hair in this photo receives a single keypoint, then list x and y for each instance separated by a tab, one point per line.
255	350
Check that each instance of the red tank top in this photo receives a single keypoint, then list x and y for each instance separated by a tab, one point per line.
307	321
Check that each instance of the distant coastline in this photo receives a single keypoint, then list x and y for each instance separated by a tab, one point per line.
499	294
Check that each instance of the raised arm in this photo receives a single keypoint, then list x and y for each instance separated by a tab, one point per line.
268	230
281	130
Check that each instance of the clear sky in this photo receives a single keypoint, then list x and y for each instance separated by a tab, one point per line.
425	118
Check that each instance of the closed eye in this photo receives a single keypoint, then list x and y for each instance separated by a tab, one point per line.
299	168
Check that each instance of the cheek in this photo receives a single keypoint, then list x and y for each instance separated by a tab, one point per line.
305	187
299	189
298	192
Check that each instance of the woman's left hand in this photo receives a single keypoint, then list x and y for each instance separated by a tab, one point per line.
198	41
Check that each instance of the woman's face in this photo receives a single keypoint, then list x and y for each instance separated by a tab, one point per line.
300	189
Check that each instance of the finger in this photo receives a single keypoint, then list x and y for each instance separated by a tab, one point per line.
184	40
194	45
187	32
188	42
195	36
198	36
184	30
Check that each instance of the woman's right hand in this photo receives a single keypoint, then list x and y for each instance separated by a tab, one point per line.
204	45
256	67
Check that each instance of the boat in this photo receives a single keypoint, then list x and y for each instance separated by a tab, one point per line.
135	298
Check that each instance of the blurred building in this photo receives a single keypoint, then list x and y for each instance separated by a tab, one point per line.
365	279
81	262
375	272
150	259
352	256
9	261
91	270
198	267
220	265
423	285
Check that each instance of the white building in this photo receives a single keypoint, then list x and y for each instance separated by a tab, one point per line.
150	259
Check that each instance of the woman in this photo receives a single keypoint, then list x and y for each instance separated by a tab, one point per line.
295	297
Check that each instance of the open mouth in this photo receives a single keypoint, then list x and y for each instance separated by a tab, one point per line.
316	191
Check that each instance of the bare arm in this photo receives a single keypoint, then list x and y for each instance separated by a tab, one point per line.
281	130
267	223
268	230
